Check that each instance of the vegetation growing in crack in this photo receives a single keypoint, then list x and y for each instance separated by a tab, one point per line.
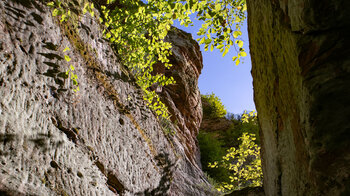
61	10
70	71
166	125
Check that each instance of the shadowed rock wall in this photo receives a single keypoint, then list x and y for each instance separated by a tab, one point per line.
102	140
300	66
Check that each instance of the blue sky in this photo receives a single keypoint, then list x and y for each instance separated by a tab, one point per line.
231	83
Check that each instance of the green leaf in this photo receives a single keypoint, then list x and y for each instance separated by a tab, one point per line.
108	35
243	54
194	7
67	58
202	41
72	67
237	33
237	62
85	8
231	42
217	7
219	46
66	49
234	58
55	12
225	52
168	15
207	41
208	35
244	7
51	4
207	16
239	43
63	18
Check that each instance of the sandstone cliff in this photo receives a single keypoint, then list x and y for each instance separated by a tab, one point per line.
183	99
102	140
300	66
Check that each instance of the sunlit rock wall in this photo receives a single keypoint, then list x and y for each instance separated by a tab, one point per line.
183	98
102	140
300	66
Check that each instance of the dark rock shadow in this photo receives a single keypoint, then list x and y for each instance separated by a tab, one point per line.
164	162
50	46
55	73
30	4
51	56
40	141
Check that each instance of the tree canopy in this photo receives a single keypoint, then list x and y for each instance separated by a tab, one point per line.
212	106
137	29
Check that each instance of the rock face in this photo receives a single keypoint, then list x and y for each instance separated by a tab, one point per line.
300	54
101	140
214	125
183	98
211	124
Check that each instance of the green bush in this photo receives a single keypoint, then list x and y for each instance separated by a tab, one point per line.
245	123
211	151
243	162
221	150
213	107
